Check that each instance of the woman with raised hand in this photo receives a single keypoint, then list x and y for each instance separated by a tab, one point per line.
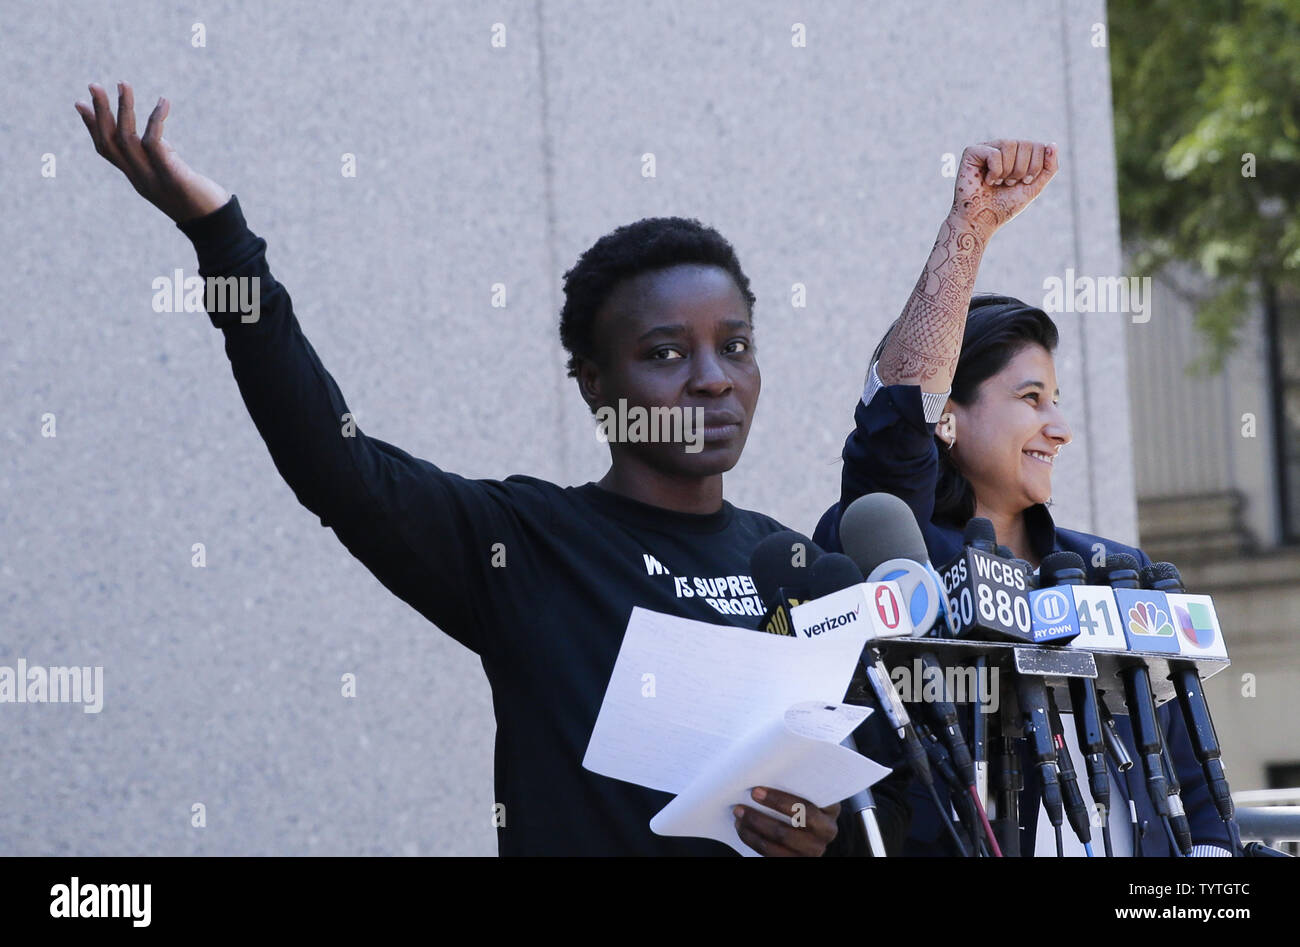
961	418
657	314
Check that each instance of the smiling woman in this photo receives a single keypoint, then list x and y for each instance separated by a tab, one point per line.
1003	427
987	448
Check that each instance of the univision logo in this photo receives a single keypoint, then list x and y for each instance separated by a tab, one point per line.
1144	618
1195	624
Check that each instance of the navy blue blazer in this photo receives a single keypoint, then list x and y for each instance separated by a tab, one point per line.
892	450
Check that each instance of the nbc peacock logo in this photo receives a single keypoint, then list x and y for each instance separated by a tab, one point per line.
1145	619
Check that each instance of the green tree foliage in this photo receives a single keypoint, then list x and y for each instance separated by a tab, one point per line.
1207	134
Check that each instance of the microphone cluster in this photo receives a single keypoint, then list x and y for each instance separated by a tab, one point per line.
1088	639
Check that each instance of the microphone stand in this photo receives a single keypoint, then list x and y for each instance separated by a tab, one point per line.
864	804
1006	782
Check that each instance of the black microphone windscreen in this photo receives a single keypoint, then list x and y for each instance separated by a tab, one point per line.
1005	552
878	527
781	560
1160	572
979	529
1119	562
832	572
1055	563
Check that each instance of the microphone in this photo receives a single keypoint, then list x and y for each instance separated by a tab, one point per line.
1090	732
1100	625
872	679
1009	782
980	534
1123	765
987	594
831	573
941	761
979	736
779	566
1065	571
1143	613
1054	618
1114	744
1180	828
1075	808
879	533
1144	622
1100	630
1260	850
1031	694
1200	634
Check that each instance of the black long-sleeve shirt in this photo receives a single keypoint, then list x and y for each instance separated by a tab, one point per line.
538	580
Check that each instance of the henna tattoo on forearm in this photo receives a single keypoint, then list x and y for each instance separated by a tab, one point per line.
926	341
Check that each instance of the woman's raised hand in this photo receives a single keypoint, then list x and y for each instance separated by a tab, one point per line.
149	163
997	179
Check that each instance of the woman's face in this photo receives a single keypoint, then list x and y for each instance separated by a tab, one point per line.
680	337
1006	441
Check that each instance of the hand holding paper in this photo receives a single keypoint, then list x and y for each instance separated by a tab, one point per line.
800	755
804	829
711	711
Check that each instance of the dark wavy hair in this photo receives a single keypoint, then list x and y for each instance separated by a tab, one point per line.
997	328
653	243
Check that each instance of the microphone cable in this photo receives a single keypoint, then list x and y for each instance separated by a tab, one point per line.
939	759
1120	759
1137	832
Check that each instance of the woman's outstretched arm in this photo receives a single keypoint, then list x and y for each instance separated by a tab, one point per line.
410	523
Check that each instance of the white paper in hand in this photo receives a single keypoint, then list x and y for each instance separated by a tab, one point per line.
682	692
800	754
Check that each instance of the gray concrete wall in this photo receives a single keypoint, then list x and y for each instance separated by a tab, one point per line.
476	165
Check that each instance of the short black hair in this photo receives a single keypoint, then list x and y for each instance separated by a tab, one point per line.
997	328
652	243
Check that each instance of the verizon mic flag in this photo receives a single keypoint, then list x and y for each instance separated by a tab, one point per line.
885	604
